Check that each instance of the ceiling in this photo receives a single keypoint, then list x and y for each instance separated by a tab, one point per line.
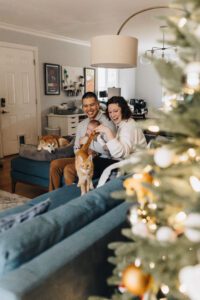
83	19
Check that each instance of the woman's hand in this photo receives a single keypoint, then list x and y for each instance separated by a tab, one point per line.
106	130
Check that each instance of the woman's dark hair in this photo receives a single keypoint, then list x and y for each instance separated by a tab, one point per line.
126	112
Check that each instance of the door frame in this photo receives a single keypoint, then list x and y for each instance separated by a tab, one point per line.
37	85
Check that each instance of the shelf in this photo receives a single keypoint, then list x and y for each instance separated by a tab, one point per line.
139	117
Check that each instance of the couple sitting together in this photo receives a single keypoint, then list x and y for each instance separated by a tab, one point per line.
117	139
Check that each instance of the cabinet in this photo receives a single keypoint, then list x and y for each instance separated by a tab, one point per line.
66	123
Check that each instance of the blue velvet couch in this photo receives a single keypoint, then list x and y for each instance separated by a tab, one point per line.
32	167
62	254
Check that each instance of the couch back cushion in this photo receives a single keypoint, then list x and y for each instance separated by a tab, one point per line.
31	152
22	243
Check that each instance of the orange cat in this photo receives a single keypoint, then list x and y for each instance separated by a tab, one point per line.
84	166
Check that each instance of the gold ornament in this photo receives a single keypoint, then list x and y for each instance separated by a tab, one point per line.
134	184
129	186
135	280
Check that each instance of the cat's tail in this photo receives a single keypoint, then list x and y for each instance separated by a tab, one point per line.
86	146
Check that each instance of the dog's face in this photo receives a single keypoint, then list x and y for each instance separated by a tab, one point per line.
48	143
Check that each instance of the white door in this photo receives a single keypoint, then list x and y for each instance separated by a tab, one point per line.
18	119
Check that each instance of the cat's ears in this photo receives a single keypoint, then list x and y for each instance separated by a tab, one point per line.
88	159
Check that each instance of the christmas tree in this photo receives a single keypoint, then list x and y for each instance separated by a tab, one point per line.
161	257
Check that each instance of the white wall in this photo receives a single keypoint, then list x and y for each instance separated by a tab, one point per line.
141	83
127	83
147	86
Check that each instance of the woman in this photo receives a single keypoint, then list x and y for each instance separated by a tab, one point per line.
128	136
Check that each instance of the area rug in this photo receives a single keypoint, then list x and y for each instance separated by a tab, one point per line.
8	200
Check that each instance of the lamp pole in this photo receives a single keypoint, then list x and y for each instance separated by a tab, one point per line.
137	13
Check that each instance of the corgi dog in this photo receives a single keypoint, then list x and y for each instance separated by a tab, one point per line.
51	143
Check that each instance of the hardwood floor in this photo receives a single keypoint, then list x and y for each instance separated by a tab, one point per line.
25	190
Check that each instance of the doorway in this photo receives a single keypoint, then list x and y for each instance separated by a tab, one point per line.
19	97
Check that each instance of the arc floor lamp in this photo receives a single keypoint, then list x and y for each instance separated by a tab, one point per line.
117	51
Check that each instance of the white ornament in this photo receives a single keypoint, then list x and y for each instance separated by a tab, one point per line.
182	22
197	32
163	157
192	72
189	279
192	227
141	229
133	216
195	183
165	234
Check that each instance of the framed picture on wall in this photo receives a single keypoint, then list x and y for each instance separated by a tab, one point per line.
52	79
89	79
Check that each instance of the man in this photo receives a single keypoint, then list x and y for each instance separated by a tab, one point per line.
66	166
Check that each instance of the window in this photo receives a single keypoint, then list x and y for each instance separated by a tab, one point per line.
107	78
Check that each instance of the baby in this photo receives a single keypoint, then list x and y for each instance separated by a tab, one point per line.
90	128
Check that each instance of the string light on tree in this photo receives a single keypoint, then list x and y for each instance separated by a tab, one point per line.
122	288
154	128
171	100
165	289
191	152
176	221
137	262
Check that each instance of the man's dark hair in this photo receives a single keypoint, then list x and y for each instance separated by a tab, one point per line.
89	95
125	109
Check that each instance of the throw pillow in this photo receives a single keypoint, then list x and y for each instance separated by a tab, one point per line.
13	220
